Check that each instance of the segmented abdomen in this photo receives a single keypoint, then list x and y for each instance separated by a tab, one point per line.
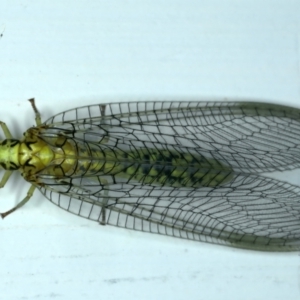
149	166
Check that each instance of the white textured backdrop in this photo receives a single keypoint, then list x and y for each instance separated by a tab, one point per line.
71	53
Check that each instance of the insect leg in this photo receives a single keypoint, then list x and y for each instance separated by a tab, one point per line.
7	172
5	130
5	178
38	119
105	199
104	181
24	201
102	110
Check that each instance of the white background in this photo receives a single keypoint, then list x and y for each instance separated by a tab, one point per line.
72	53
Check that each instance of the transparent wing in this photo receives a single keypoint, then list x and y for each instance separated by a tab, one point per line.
250	212
249	137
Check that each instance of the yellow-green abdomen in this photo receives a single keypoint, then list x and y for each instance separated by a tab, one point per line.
165	168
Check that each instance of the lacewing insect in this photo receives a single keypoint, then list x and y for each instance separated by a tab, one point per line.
184	169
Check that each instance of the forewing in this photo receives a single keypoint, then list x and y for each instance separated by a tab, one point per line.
248	137
250	211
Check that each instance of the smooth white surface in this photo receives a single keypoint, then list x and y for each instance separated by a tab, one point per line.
72	53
